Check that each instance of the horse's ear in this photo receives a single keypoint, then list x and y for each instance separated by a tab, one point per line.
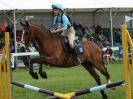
27	24
22	24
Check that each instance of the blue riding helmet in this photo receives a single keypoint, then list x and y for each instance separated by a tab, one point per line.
58	6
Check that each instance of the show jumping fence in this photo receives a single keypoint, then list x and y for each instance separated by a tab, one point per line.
68	95
127	41
5	88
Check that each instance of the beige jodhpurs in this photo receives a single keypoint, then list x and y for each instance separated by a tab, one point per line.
70	33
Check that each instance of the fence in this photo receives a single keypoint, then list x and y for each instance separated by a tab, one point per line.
127	41
5	88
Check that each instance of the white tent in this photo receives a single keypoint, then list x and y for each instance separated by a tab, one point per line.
70	4
77	5
5	6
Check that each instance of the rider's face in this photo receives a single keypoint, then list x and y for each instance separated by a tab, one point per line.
56	11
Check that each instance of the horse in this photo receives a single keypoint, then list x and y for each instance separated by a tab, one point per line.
51	52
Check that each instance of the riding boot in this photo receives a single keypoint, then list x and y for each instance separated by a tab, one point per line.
78	61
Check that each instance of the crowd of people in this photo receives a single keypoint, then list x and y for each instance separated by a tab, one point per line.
99	38
92	33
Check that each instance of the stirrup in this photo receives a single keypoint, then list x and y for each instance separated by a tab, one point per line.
78	61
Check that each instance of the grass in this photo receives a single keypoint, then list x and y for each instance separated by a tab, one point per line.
66	80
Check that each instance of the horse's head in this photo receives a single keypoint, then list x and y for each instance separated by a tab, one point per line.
27	35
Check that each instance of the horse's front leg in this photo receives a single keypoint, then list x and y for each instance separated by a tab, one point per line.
31	69
42	73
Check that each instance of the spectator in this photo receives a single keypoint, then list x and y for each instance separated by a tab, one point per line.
109	55
79	31
75	25
9	29
101	38
119	36
88	33
82	32
98	29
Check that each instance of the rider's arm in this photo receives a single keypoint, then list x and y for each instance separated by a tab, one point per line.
65	23
54	22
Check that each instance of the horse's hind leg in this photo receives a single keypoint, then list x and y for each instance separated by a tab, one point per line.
101	67
88	66
105	73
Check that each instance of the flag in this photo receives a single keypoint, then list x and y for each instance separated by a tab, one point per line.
127	18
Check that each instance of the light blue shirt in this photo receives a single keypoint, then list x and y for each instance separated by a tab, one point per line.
65	21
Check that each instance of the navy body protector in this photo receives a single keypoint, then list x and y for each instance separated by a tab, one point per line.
62	21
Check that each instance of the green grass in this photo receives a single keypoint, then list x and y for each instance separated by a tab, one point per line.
66	80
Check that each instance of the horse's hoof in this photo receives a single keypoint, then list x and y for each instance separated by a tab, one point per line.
34	75
43	74
105	96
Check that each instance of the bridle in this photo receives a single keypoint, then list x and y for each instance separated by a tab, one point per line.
22	40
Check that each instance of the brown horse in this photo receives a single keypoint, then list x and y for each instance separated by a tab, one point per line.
51	51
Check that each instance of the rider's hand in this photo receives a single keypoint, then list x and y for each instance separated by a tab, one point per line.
53	31
56	31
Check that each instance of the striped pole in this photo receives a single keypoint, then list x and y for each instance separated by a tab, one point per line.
99	88
69	95
33	88
43	91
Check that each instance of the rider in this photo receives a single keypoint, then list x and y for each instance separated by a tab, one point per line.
62	24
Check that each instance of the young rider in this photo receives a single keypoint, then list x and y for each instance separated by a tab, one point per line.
62	24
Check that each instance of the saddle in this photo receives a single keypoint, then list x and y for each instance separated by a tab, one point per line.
78	49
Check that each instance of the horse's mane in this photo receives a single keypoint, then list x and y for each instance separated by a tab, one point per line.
44	30
39	26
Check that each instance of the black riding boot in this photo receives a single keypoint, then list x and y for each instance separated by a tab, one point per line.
78	61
